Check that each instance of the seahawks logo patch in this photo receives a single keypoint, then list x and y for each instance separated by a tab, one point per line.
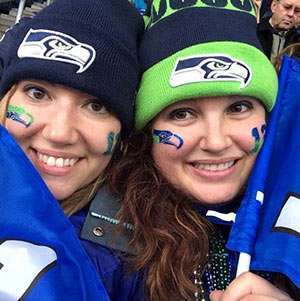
56	46
210	68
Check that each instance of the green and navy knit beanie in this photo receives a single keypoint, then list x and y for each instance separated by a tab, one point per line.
89	45
201	48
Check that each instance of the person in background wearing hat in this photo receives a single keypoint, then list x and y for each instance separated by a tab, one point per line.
68	81
201	114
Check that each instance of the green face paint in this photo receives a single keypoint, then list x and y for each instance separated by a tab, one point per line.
258	139
155	138
18	114
112	139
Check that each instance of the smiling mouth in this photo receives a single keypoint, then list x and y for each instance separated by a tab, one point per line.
215	167
56	161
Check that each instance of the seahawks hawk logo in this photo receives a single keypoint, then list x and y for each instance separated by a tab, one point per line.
56	46
210	68
167	137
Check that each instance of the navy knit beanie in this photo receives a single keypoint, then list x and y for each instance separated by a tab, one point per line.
89	45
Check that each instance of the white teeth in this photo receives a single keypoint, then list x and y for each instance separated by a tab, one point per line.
215	167
58	162
72	162
50	161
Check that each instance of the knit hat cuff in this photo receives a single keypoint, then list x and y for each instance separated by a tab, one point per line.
162	85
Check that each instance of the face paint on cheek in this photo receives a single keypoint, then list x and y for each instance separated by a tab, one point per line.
167	137
19	114
112	140
258	139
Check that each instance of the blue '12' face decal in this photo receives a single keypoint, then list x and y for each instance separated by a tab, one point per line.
56	46
210	68
258	138
167	137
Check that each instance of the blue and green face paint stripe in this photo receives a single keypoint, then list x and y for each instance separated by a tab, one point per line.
20	115
112	140
258	139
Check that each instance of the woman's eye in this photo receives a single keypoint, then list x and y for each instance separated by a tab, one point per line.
35	93
240	107
181	114
97	107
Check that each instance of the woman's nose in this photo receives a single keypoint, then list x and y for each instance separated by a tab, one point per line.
215	138
61	128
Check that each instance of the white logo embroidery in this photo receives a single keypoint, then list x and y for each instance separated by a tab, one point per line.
56	46
216	67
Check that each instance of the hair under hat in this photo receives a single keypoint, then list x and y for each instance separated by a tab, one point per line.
201	48
89	45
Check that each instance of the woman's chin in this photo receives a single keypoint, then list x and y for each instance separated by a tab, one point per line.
214	198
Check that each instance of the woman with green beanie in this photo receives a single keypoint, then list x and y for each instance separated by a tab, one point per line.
201	114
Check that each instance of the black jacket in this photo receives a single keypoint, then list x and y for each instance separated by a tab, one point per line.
265	35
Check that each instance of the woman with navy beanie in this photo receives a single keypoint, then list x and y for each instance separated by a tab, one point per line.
69	77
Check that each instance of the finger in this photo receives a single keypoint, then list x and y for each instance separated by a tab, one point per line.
216	295
251	284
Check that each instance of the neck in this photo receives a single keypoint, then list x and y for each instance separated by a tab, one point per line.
275	26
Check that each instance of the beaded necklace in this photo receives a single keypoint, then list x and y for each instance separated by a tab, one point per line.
217	274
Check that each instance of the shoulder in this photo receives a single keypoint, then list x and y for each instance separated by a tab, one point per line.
264	26
101	223
107	249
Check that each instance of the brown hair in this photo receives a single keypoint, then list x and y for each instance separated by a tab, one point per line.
170	238
4	104
291	50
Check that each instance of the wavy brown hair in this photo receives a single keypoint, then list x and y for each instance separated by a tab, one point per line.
170	238
292	50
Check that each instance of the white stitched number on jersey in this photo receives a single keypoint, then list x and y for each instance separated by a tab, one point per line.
288	219
21	263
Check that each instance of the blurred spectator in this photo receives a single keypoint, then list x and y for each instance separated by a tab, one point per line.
257	5
279	30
